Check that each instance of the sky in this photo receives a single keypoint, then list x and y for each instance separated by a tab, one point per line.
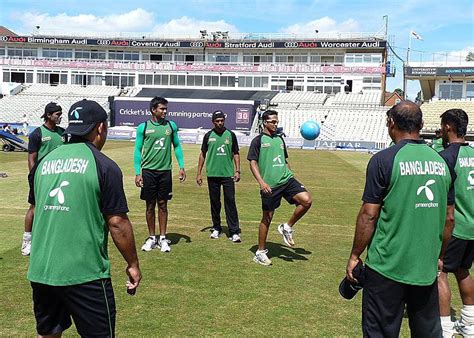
446	28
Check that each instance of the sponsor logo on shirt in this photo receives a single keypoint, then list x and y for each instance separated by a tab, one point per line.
58	195
160	144
221	150
212	139
277	162
470	180
149	131
265	145
428	193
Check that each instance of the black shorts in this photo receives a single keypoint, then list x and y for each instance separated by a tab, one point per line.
91	305
383	305
157	185
272	201
459	254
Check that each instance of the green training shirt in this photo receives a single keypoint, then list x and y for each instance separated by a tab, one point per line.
411	182
43	140
270	154
437	144
219	150
460	160
153	146
72	188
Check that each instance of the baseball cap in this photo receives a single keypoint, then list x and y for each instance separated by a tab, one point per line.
83	116
217	115
50	108
349	289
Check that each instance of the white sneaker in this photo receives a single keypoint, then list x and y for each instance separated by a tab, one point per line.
287	235
235	238
215	234
164	245
262	258
26	247
149	244
463	329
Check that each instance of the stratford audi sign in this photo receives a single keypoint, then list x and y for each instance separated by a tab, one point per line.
200	44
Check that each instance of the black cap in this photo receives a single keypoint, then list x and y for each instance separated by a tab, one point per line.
50	108
83	116
217	115
349	289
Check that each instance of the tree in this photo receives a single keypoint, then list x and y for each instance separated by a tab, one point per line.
399	92
419	97
470	56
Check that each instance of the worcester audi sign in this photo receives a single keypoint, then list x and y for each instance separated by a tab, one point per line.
199	44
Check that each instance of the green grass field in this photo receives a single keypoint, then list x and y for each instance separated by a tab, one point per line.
212	287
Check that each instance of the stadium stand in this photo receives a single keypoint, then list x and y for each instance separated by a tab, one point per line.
343	117
368	99
32	99
434	108
349	124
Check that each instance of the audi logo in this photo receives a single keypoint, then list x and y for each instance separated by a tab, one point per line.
196	44
291	44
103	42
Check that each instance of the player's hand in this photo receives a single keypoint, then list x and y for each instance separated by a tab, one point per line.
237	176
265	188
351	264
182	175
134	278
199	179
139	181
440	265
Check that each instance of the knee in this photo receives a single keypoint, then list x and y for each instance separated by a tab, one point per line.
150	211
306	202
163	206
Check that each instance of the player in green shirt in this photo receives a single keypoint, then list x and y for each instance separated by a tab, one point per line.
152	163
79	198
269	165
402	224
220	151
459	157
40	142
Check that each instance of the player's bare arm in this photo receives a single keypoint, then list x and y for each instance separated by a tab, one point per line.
122	233
365	227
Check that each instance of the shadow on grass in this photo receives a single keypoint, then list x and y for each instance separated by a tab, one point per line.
277	250
225	230
176	238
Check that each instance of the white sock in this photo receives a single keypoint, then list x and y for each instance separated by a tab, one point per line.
467	314
162	237
27	236
446	321
287	227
